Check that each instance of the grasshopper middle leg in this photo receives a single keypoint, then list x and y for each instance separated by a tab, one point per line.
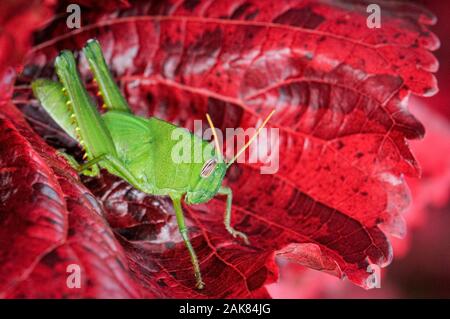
227	218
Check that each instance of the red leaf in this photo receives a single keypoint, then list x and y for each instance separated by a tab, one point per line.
147	228
34	219
16	41
50	221
340	91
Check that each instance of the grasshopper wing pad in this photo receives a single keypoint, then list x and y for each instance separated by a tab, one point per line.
131	136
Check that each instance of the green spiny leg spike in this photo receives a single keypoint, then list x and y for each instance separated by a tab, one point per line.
109	91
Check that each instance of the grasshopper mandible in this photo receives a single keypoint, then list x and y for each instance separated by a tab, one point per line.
131	147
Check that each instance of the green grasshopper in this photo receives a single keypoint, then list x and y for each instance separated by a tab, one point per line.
133	148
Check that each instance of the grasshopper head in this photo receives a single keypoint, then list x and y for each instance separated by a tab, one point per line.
214	169
211	177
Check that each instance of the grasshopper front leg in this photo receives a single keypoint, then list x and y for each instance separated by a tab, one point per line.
176	199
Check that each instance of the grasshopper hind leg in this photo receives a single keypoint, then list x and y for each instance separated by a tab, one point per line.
108	90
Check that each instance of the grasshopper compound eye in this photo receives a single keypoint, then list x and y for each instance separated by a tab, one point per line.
208	168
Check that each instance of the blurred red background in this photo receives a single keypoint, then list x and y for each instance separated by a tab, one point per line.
421	265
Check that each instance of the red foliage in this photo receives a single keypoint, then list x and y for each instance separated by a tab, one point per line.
340	91
14	41
420	270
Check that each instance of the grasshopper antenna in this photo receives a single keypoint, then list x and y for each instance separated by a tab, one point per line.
251	139
216	139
